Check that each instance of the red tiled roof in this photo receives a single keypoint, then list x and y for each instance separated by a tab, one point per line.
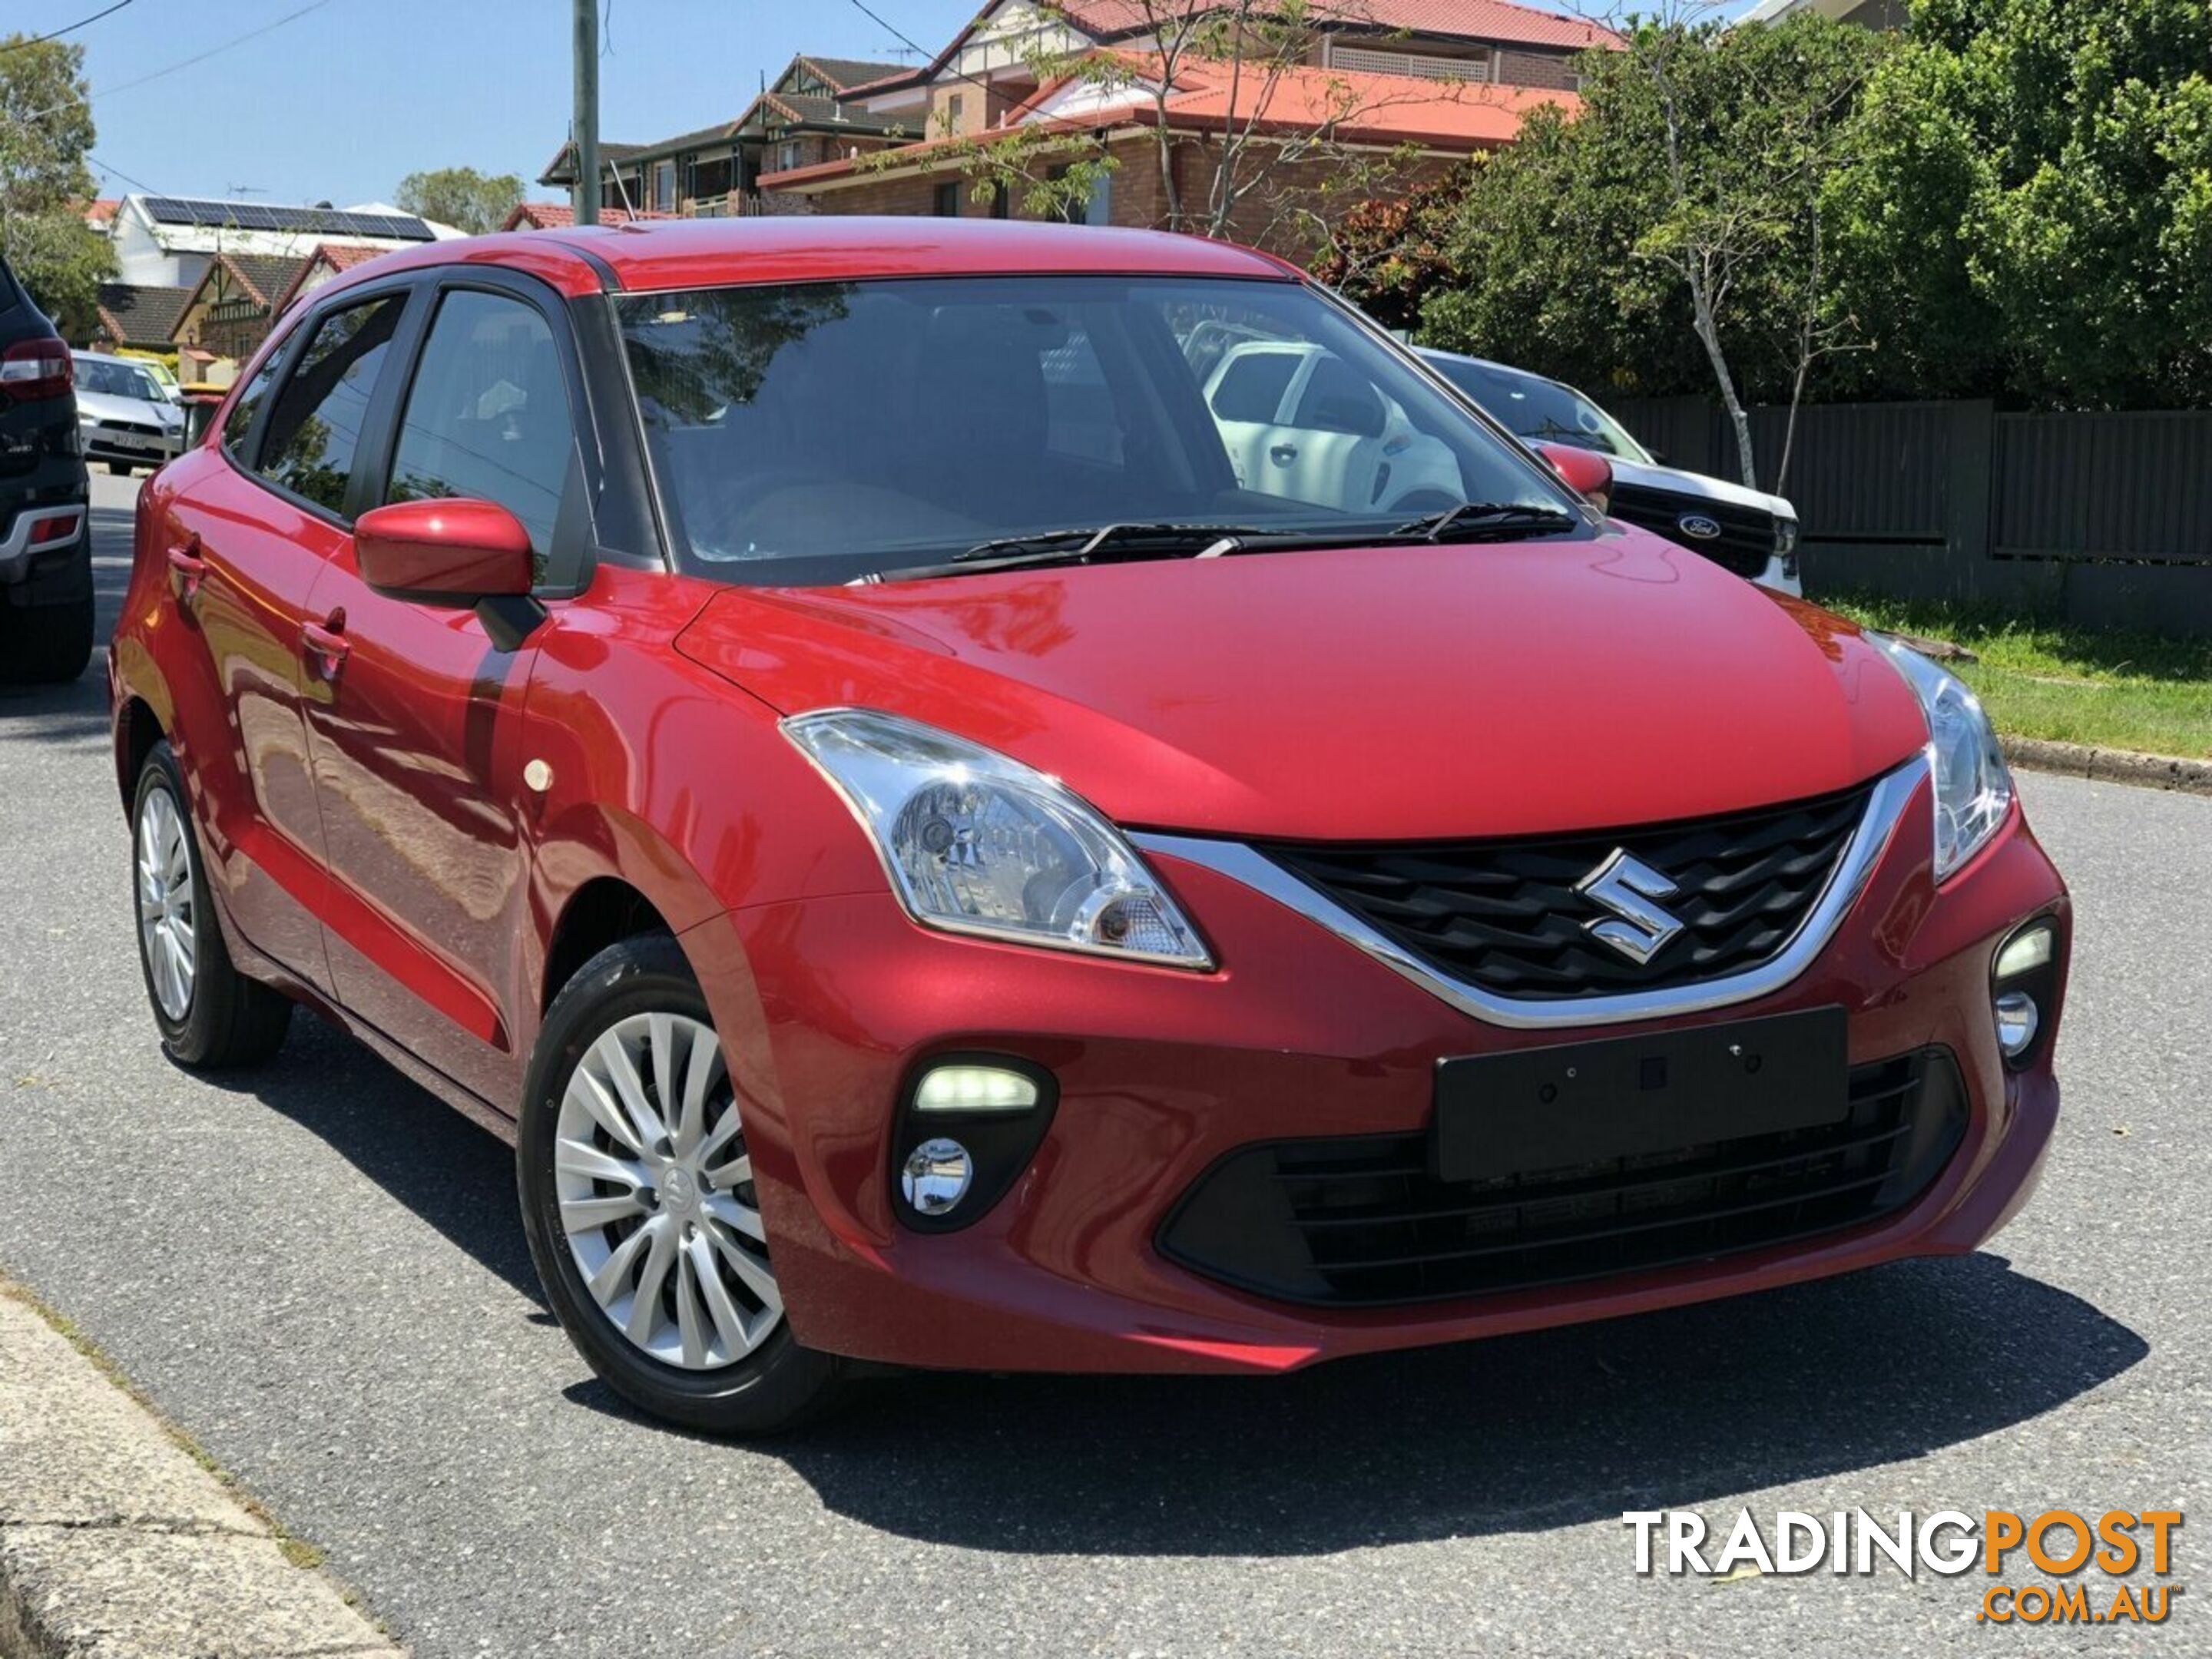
1373	109
1501	20
559	215
101	210
1478	20
337	256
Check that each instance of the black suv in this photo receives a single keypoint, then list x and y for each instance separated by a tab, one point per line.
45	528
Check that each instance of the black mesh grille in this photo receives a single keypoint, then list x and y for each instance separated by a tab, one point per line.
1506	914
1747	538
1361	1221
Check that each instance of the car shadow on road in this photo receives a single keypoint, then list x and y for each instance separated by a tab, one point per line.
1526	1432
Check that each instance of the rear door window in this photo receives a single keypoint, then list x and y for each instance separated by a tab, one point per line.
315	424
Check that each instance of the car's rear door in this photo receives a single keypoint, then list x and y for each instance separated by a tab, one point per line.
245	543
414	740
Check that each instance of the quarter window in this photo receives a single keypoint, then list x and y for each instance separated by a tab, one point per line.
314	426
240	420
488	415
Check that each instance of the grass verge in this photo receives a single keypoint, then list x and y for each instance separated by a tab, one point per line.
2049	679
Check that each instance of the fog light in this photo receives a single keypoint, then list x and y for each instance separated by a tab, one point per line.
2017	1020
2024	952
936	1177
969	1089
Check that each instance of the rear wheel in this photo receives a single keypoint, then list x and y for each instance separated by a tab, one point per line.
120	469
640	1204
45	644
211	1015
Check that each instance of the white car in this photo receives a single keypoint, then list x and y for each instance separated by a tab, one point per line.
1301	423
123	415
1746	530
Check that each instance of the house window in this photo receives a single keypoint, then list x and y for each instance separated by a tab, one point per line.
1099	210
945	204
664	186
786	156
952	108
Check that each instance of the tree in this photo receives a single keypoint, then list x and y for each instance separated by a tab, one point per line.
1388	253
45	132
461	197
1683	204
2034	210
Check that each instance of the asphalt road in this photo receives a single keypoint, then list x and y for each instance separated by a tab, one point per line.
318	1272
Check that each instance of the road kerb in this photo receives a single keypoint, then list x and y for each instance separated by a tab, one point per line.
2082	760
116	1544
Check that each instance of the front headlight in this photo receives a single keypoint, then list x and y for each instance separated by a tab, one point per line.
975	843
1973	786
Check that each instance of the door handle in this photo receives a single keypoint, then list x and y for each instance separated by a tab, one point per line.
1283	454
191	570
326	644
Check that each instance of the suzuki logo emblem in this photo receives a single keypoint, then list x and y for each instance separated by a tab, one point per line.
1626	885
1697	525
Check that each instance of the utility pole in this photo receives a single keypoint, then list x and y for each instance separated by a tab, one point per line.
584	195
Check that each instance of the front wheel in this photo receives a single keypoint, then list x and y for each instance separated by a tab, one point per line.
640	1204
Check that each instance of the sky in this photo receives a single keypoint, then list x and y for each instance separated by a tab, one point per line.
338	100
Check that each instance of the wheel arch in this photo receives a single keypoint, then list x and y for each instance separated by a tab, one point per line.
604	911
137	729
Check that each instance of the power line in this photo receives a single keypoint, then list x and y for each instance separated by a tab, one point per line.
202	58
121	174
67	29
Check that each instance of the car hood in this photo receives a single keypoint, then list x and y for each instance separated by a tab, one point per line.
1356	693
102	406
1674	480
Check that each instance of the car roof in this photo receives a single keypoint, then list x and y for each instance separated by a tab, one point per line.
1495	367
652	255
109	357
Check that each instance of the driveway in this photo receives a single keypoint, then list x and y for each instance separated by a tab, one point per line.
318	1271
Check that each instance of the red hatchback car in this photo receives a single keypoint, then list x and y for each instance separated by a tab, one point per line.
927	777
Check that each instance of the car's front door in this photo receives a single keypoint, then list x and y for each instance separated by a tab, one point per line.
415	742
244	553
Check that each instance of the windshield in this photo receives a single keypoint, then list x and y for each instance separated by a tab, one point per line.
1539	409
108	379
814	434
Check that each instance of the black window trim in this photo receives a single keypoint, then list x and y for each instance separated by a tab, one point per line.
408	286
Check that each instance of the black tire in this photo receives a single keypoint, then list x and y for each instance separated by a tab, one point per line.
45	644
780	1384
120	469
228	1020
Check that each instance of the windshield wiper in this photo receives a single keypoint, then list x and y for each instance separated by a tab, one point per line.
1490	521
1079	546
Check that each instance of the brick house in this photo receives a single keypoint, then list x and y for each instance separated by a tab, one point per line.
806	116
1395	90
228	310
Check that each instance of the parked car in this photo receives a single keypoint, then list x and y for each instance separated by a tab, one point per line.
799	725
45	546
1299	422
1746	531
129	420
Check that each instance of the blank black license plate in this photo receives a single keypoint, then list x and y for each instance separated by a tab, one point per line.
1582	1103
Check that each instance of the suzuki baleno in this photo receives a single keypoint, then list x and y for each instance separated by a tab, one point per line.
1033	798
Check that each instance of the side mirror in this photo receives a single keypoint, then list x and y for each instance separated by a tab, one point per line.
465	554
443	552
1584	470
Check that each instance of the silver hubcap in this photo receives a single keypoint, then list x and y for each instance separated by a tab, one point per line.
657	1197
168	923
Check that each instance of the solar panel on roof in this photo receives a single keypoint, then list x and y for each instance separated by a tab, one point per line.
252	216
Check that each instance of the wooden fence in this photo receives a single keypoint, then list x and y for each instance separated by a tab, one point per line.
2103	520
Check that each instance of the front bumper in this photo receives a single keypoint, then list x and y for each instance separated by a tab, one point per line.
827	1004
